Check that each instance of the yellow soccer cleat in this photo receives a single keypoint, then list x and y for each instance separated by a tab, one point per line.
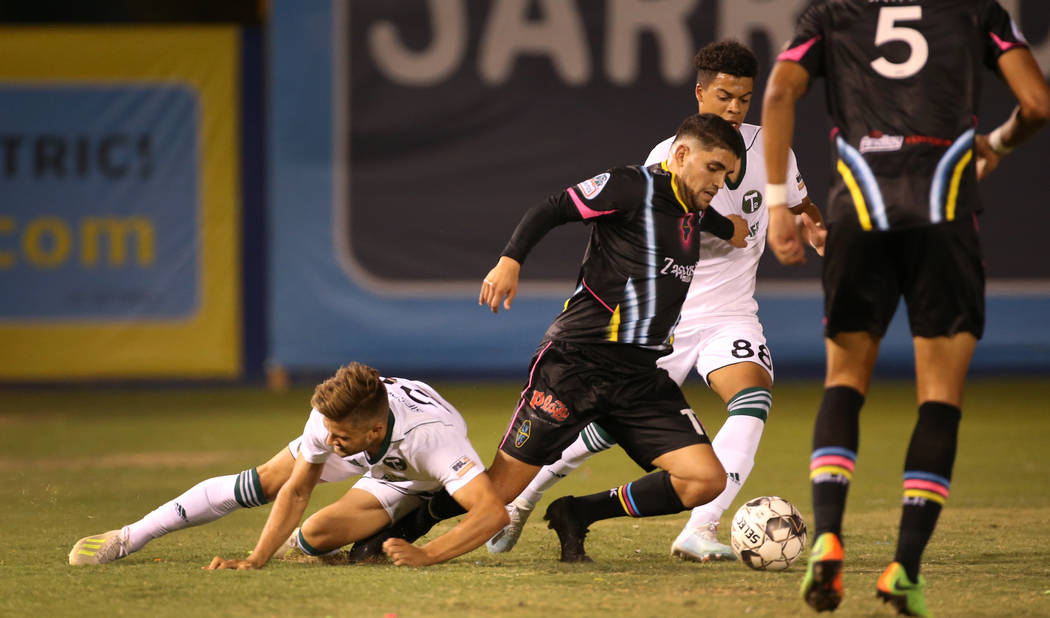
99	548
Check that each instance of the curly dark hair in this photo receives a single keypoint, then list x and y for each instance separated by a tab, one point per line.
727	56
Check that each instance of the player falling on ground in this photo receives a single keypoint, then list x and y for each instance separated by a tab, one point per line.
598	359
903	83
401	435
719	332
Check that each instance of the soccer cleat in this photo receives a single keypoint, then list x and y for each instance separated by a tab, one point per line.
700	544
571	532
99	548
505	539
895	588
822	586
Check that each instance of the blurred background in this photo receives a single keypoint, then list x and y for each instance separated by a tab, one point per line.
248	190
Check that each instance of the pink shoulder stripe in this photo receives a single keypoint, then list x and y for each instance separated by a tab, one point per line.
585	212
1005	45
796	53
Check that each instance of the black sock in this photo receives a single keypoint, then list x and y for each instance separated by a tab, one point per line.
927	477
649	496
835	438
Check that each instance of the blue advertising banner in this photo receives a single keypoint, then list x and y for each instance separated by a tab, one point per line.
100	202
408	138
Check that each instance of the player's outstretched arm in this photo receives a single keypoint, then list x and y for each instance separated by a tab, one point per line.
485	516
1022	74
787	83
501	284
287	512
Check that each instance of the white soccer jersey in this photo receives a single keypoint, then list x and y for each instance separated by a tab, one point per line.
426	442
724	280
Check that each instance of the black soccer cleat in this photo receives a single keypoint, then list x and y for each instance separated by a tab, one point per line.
410	527
571	532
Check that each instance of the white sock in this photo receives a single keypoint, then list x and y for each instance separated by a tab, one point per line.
304	546
204	502
735	445
591	440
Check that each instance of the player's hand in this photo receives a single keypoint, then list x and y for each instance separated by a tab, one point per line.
783	236
987	159
740	231
218	563
816	234
501	284
403	553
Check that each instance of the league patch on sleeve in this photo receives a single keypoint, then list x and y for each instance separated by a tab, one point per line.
801	183
593	186
462	466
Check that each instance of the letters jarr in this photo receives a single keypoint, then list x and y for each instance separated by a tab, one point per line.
550	405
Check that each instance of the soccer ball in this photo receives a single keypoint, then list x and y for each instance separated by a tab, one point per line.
768	534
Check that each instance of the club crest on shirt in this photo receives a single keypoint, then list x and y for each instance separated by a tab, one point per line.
524	432
395	463
593	186
751	201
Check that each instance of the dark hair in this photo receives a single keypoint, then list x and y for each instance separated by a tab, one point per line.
355	393
712	132
727	56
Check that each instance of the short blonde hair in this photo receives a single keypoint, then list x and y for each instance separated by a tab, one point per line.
355	393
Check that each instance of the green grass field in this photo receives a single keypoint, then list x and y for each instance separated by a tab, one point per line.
81	461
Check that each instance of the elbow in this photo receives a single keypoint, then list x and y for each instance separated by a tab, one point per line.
1037	111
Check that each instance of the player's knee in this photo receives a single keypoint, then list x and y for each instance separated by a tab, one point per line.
701	487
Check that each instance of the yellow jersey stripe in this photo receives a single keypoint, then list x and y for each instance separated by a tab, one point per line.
858	195
674	186
614	325
953	192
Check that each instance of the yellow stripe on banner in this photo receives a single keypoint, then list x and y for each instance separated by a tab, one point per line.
922	493
858	196
831	470
614	325
953	192
674	186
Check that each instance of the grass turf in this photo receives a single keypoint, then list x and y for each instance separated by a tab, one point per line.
79	461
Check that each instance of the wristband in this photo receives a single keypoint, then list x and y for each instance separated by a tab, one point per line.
776	194
995	141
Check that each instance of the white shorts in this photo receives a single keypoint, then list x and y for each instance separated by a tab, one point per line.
717	343
397	497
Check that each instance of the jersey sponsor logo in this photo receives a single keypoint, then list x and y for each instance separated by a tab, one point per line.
550	405
524	432
683	272
593	186
462	465
877	142
395	463
751	201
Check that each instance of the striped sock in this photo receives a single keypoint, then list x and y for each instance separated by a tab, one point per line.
204	502
927	479
591	440
836	434
310	550
735	445
649	496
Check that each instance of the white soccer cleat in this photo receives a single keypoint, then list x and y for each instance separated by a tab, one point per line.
99	548
700	544
504	540
290	548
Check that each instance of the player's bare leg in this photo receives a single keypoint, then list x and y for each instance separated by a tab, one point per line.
203	503
940	372
357	515
850	361
690	476
745	389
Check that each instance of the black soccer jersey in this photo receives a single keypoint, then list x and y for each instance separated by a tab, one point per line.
903	83
639	262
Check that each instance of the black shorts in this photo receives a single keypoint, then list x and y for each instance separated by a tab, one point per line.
937	268
570	385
